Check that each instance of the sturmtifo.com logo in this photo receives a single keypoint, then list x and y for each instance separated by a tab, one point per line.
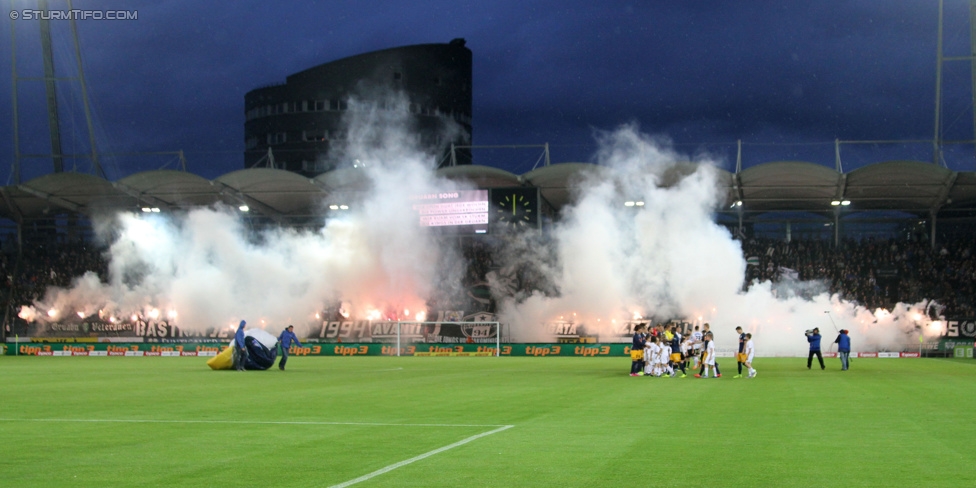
75	14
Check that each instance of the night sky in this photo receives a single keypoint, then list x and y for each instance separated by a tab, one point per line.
785	77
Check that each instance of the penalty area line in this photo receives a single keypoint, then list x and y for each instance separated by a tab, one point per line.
420	457
249	422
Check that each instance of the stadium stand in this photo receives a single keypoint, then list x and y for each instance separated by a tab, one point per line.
929	262
946	274
876	273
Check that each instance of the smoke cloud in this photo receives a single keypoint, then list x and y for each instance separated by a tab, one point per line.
611	263
602	264
205	268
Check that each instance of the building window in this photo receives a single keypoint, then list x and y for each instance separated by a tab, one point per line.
277	138
251	143
313	166
315	135
320	105
437	81
397	76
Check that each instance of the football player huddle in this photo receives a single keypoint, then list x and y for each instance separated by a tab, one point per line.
662	351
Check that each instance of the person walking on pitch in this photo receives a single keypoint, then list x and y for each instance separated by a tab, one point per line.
844	349
709	359
749	353
740	356
286	339
240	348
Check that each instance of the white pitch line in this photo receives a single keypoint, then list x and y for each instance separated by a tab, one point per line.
249	422
418	458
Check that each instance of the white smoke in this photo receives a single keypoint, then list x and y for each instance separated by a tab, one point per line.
668	259
205	268
603	263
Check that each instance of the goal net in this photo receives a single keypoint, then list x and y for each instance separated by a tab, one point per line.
488	333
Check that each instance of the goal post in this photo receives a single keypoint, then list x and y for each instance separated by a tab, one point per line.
451	332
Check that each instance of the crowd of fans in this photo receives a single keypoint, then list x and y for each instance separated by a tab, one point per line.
873	272
876	273
24	280
27	278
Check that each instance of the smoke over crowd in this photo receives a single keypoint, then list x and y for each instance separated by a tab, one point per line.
602	262
612	262
206	268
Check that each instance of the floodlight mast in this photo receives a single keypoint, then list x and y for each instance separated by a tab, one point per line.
50	79
938	88
941	58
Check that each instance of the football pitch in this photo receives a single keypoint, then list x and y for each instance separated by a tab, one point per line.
482	421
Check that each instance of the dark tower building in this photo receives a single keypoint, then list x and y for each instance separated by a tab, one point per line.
300	119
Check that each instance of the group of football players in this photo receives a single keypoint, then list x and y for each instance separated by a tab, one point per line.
663	350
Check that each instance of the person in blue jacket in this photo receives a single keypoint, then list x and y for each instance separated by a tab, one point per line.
240	348
286	339
844	349
813	337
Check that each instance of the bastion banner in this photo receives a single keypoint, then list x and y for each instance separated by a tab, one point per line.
450	327
94	329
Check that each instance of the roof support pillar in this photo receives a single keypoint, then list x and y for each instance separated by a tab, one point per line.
837	164
740	232
738	156
836	227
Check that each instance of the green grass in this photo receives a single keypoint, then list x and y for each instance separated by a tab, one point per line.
577	422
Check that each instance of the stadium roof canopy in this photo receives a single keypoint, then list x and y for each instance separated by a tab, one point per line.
783	186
